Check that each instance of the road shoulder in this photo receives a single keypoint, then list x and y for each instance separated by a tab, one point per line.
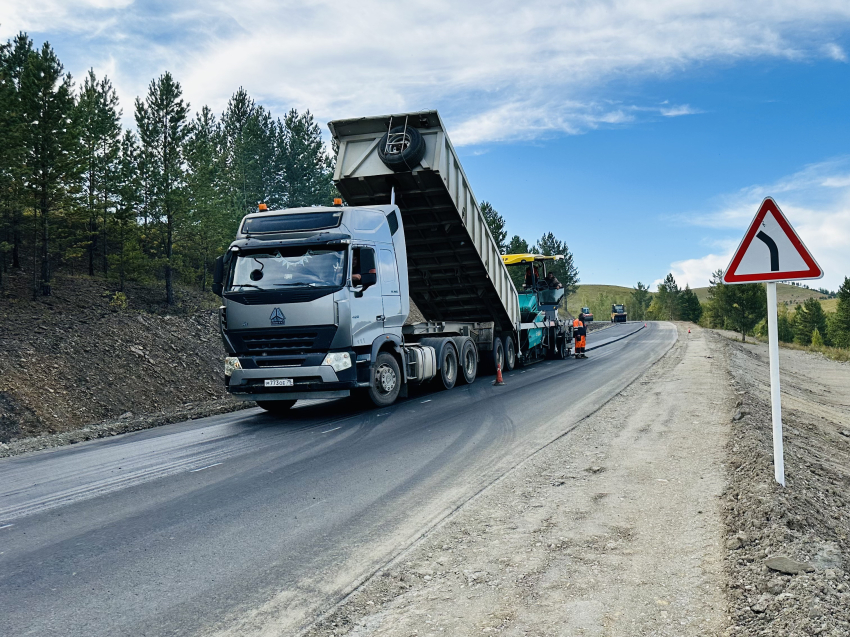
807	521
614	529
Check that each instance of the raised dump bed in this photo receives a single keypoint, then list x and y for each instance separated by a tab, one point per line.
454	267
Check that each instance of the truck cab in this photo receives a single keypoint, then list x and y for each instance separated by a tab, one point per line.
308	294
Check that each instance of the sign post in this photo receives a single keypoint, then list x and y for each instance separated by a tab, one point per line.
778	255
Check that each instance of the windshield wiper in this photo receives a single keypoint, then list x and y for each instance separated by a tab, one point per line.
248	285
312	285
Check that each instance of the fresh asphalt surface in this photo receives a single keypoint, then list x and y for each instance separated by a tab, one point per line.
245	520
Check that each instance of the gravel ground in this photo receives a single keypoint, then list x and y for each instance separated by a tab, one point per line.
614	529
808	521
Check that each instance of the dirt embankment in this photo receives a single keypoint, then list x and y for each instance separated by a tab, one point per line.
78	360
808	521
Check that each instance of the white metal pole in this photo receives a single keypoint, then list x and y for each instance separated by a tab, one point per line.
775	401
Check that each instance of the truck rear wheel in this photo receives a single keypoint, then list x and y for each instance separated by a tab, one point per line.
386	380
509	353
448	367
468	361
276	406
496	356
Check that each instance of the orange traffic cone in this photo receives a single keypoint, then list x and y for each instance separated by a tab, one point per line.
498	380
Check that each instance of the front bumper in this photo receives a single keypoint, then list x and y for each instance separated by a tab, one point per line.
320	381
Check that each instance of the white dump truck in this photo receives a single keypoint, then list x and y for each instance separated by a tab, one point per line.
316	301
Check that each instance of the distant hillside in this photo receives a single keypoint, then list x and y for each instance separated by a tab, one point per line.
599	299
790	295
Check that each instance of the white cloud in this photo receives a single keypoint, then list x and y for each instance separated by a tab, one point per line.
816	201
835	52
678	111
498	70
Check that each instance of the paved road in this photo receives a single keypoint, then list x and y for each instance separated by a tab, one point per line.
244	521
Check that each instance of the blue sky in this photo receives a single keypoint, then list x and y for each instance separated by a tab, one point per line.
644	133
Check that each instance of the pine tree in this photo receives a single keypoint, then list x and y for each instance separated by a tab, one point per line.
689	305
668	297
240	151
129	197
808	318
839	322
641	298
52	165
306	166
517	245
13	129
98	118
496	223
207	212
744	305
161	120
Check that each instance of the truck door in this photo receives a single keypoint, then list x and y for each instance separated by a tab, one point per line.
367	311
393	319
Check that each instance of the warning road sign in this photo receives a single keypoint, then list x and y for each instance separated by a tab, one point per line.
771	251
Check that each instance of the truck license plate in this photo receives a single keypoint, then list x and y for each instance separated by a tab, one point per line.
279	382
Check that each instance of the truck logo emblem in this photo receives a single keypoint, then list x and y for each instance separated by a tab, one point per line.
277	317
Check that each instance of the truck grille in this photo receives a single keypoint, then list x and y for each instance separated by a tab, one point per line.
283	340
283	343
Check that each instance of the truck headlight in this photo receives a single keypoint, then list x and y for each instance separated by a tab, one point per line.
231	363
338	360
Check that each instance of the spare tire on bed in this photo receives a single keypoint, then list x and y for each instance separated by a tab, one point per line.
401	148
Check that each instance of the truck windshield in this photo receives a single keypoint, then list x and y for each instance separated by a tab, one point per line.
618	309
289	267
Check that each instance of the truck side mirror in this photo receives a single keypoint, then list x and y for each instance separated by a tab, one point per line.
218	276
368	270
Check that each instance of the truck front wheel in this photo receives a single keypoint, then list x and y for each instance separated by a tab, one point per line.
386	380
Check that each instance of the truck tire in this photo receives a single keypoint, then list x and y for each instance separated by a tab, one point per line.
276	406
561	350
510	353
386	380
448	367
410	156
468	362
496	356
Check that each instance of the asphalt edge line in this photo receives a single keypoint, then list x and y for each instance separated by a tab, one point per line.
620	338
444	518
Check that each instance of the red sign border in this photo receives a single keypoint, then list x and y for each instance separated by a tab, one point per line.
769	205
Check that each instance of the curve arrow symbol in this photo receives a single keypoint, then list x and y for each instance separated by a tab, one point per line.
774	251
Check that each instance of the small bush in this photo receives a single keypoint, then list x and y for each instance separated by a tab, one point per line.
817	339
118	302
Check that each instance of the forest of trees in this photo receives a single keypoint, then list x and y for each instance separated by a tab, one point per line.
80	192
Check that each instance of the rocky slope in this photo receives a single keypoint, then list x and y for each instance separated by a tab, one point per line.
83	356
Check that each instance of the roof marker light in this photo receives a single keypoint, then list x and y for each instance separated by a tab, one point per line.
262	207
337	201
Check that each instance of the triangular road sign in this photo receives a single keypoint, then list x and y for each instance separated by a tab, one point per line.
771	251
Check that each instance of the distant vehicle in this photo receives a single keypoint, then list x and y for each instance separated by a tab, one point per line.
588	315
618	313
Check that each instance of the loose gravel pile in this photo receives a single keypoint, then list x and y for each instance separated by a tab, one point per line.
788	548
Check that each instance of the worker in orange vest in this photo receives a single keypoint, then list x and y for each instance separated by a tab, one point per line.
580	335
